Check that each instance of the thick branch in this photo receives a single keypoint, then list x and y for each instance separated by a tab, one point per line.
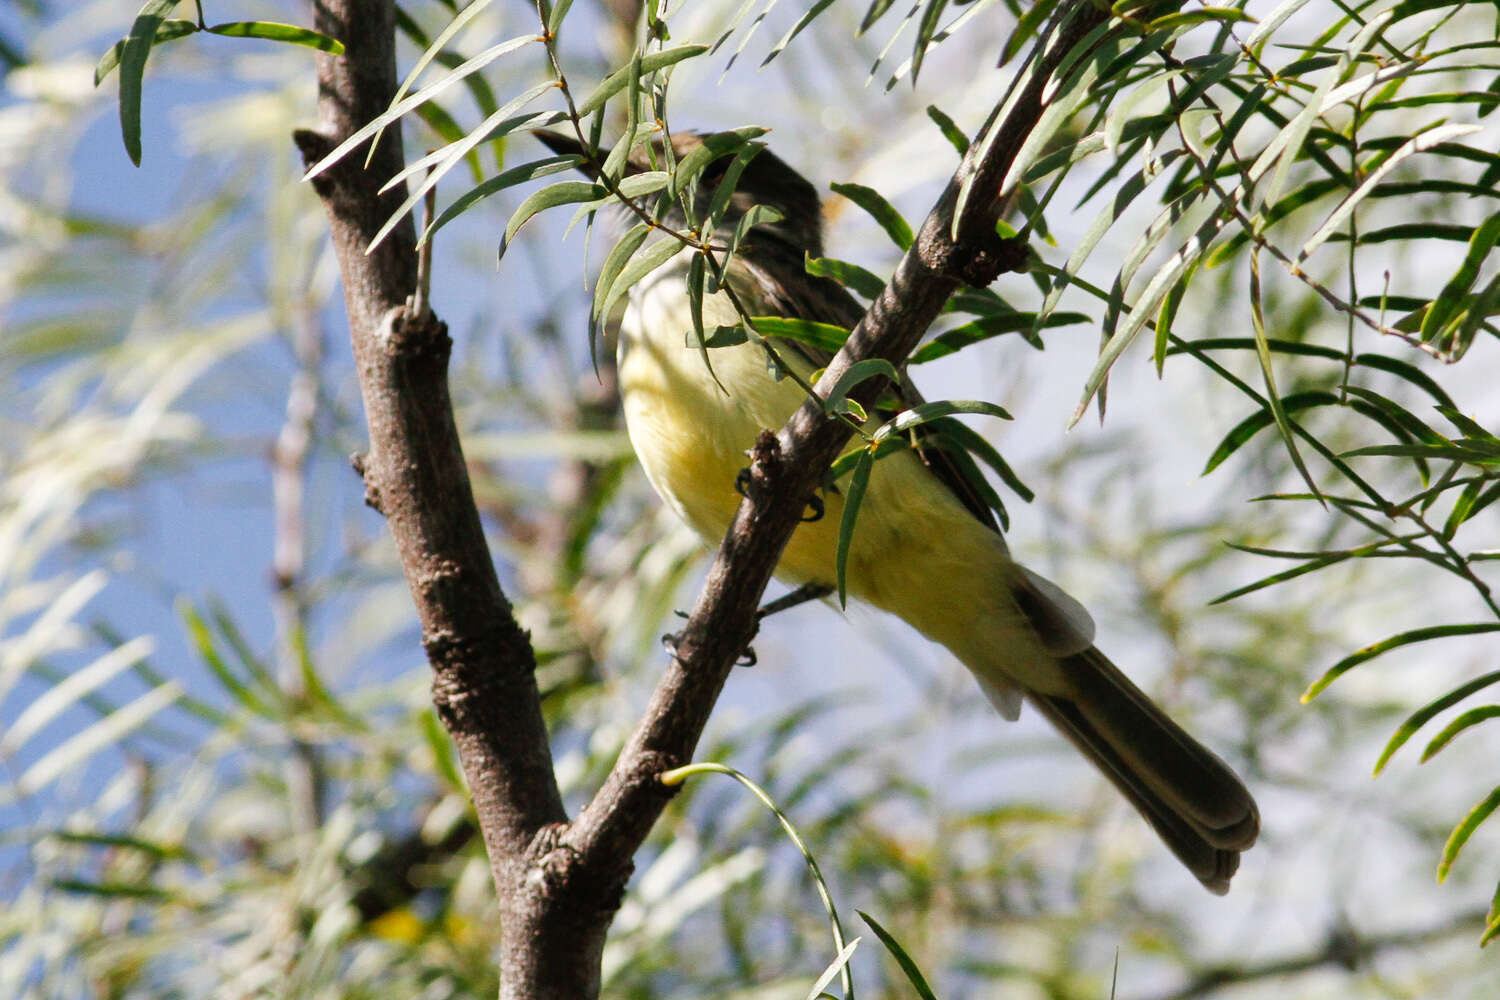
786	469
484	671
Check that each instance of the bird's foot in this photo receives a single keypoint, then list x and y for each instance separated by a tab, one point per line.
803	594
815	508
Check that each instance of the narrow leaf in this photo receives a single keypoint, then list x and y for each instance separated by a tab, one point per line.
509	178
1467	720
882	211
917	415
1386	645
1464	830
133	71
823	336
427	93
617	81
275	31
854	495
908	967
1425	714
836	402
560	193
1417	144
167	31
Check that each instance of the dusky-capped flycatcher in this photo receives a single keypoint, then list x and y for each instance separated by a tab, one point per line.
924	548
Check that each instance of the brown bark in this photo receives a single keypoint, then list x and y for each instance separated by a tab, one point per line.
484	671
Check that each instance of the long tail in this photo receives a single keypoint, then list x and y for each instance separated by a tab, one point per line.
1194	802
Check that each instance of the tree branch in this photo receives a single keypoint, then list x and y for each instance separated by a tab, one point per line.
484	681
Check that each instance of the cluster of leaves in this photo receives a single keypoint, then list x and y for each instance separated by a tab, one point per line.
1248	150
1247	157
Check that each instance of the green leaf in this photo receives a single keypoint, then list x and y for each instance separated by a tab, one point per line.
1462	508
1260	420
796	29
560	193
758	215
1467	720
1448	301
156	850
427	93
975	444
440	745
167	31
696	277
921	414
1417	144
986	327
1167	276
728	184
676	776
1408	371
823	336
275	31
640	265
555	18
883	212
908	967
650	63
715	145
853	277
203	642
953	134
614	263
1477	312
136	48
837	402
874	13
1425	714
1464	830
726	336
111	890
1273	395
927	28
1373	650
854	495
1314	562
509	178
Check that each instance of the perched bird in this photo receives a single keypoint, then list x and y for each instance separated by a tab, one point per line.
925	548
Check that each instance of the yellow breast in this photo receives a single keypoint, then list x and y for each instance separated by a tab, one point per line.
916	552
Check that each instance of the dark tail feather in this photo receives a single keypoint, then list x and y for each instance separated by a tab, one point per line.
1194	802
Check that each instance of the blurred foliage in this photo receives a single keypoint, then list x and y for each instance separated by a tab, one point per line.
223	776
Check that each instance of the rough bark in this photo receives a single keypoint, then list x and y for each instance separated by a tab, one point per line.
484	682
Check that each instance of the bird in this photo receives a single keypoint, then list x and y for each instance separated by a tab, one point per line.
925	547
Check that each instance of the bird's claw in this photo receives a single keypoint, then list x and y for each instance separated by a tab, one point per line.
814	502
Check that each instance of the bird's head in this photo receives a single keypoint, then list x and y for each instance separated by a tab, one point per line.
766	180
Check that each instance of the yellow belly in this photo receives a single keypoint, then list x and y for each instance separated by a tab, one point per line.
916	552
